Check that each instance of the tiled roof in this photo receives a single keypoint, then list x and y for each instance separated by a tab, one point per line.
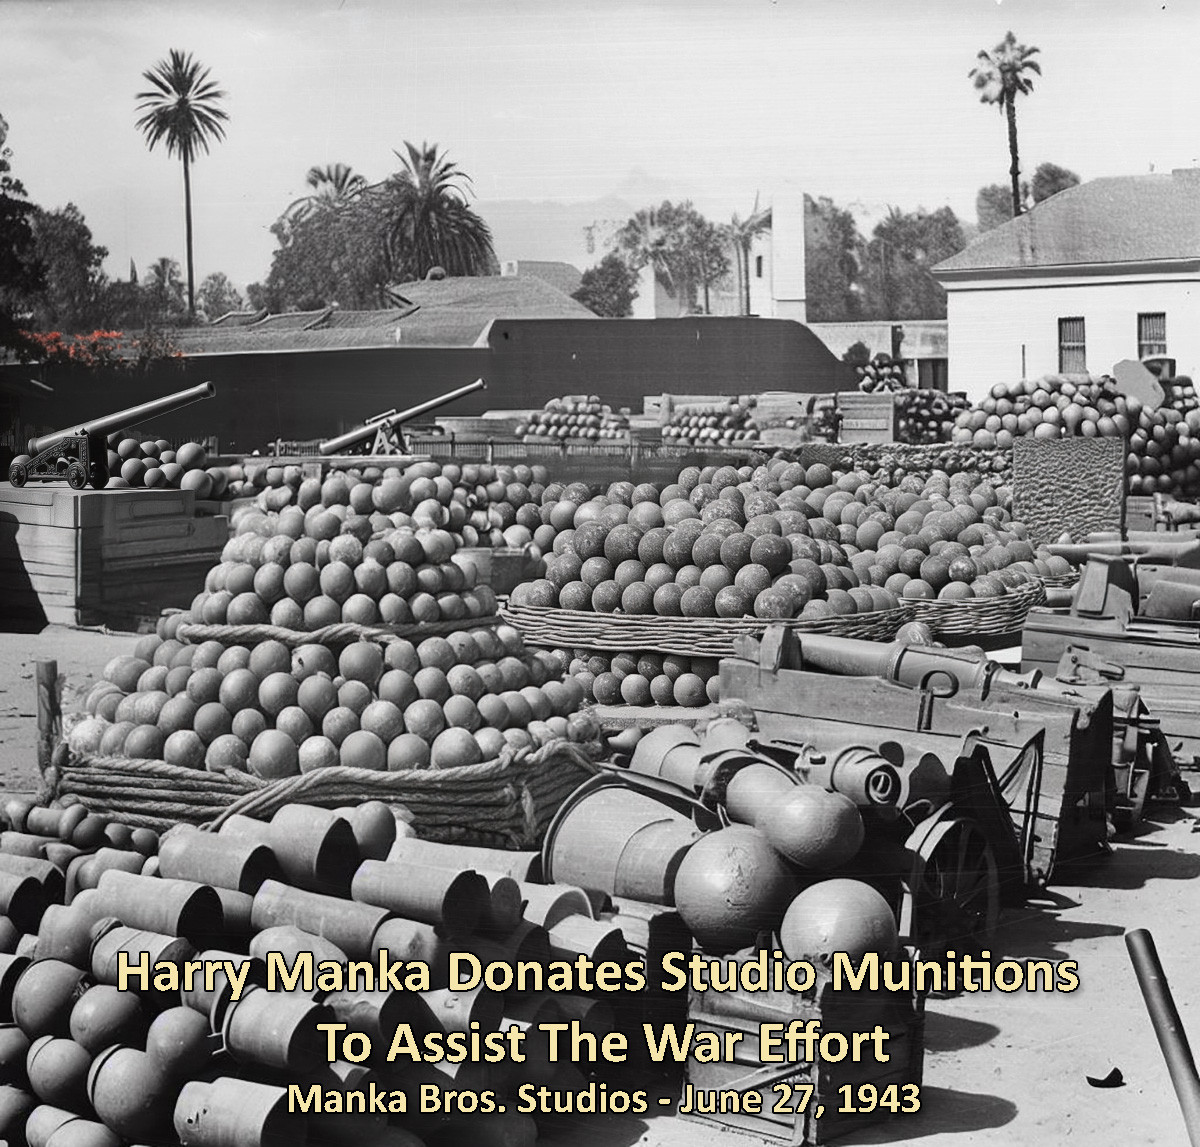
1121	219
562	276
446	312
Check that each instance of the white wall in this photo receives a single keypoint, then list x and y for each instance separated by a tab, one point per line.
991	324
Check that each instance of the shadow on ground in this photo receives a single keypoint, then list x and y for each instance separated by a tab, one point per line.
943	1111
955	1033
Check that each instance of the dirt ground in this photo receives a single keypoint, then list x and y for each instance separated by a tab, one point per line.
1000	1069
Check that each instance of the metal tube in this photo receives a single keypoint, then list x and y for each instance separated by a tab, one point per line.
107	423
362	433
1168	1027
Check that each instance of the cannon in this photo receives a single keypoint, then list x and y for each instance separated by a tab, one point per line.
382	433
79	455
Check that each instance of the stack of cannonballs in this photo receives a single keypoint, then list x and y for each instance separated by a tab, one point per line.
646	678
157	465
479	505
580	417
882	375
712	425
924	417
779	541
1163	454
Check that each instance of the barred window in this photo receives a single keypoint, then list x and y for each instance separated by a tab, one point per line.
1152	335
1072	347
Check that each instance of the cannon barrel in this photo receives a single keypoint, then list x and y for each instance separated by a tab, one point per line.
130	417
362	433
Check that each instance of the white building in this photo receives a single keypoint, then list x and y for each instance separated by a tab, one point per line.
1106	271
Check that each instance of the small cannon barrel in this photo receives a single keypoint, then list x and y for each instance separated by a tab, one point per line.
129	417
354	437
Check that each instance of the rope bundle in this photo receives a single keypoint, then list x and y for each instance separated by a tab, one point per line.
505	803
336	635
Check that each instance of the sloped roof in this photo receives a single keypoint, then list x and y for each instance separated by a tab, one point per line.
1121	219
563	276
447	312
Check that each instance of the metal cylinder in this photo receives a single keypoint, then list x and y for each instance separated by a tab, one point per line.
59	822
134	942
130	416
22	900
411	940
236	1113
449	1011
131	1093
44	872
354	437
547	904
84	872
753	790
350	925
25	844
671	752
289	942
374	827
65	933
375	1013
172	907
214	1003
518	865
1168	1027
580	935
315	848
455	900
54	1127
505	904
186	853
618	841
14	1047
275	1029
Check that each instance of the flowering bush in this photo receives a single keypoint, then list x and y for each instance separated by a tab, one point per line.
100	348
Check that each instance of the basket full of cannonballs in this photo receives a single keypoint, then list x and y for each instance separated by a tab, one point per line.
578	418
329	642
681	571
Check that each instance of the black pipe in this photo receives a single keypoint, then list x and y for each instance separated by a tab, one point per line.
1168	1027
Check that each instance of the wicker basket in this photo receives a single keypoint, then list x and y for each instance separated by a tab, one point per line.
683	636
505	803
981	615
334	636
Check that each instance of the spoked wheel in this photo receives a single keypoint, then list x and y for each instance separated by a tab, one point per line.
77	476
952	901
17	475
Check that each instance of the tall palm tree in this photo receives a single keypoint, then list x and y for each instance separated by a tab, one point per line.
1000	76
431	224
182	109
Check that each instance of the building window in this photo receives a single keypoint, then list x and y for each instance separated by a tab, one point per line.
1072	348
758	266
1152	335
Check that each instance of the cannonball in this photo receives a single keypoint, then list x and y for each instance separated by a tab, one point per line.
838	916
814	828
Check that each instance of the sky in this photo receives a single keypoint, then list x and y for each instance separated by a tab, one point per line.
720	101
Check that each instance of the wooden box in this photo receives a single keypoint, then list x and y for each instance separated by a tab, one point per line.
742	1013
102	557
867	418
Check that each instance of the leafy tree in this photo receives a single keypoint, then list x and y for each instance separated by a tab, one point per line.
833	253
999	77
218	296
896	273
429	223
73	266
993	206
182	110
1050	179
331	255
608	288
21	274
689	254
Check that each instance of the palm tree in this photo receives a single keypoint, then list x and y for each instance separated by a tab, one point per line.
181	109
431	224
334	186
1000	76
741	234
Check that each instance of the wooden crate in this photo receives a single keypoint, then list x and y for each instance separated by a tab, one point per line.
739	1012
103	557
869	418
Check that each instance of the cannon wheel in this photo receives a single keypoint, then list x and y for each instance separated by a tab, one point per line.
99	476
17	475
952	898
77	476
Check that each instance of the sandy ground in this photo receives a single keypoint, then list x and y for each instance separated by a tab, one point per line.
999	1069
